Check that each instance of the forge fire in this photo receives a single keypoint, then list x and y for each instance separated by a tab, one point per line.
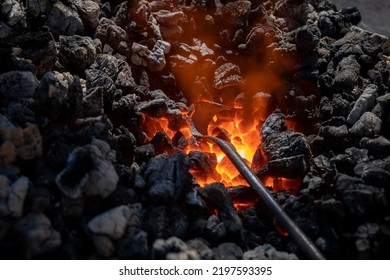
99	100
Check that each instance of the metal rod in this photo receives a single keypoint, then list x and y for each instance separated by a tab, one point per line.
297	235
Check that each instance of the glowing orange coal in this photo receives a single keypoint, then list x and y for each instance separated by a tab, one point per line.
234	62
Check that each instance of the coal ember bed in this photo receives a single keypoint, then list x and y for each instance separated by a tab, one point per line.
97	159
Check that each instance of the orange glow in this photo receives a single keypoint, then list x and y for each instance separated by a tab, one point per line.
194	59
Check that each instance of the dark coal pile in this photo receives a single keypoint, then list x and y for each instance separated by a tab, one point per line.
88	169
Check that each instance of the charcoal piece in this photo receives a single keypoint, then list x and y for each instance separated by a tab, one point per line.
58	96
332	209
162	143
372	164
144	153
88	171
334	131
167	178
202	248
217	196
343	164
378	178
241	194
268	252
179	140
227	75
5	31
113	35
304	211
275	123
38	47
307	38
287	167
92	104
251	221
37	235
13	11
370	240
165	17
357	155
228	251
347	73
361	200
23	143
111	223
235	14
384	102
76	52
161	248
203	165
215	229
103	245
165	221
153	59
333	24
36	8
321	163
133	246
311	184
156	108
369	125
63	20
88	11
118	70
365	102
17	84
12	196
379	146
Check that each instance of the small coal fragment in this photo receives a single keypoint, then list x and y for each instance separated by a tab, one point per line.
365	103
217	196
37	235
228	251
111	223
347	73
63	20
204	165
12	196
360	199
88	11
268	252
173	248
202	248
369	125
17	84
167	178
379	146
88	171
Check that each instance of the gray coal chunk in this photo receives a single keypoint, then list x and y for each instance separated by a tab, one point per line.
18	84
36	7
287	167
275	123
63	20
77	52
347	73
383	164
376	146
268	252
228	251
202	247
111	223
5	30
167	178
38	234
12	196
377	178
153	59
234	14
334	131
114	36
370	239
88	172
134	245
13	11
365	102
227	75
217	196
89	12
369	125
360	199
92	103
161	247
